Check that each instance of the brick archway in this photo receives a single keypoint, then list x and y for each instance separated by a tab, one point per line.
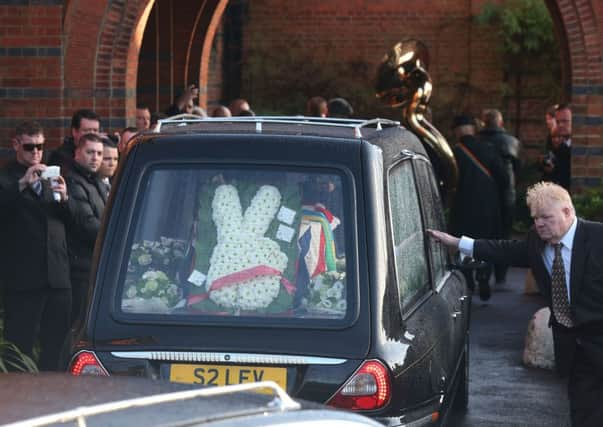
103	40
579	29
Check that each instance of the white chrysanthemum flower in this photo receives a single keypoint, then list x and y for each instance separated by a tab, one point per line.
145	259
151	285
326	303
149	275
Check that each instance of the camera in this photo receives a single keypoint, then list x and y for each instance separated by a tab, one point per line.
549	159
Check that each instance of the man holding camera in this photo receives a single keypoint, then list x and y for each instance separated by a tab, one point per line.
33	252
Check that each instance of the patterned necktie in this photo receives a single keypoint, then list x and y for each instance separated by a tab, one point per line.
561	307
37	187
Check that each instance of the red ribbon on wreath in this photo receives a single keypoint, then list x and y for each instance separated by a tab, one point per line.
240	276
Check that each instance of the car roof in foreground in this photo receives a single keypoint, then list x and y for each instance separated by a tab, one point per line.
57	399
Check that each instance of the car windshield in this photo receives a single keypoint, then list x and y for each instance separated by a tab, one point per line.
238	242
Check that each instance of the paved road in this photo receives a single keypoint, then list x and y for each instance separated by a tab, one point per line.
503	392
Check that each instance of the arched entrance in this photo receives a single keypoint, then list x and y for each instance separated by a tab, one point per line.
102	48
579	31
180	48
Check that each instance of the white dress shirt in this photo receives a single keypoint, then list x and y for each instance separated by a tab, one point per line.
466	248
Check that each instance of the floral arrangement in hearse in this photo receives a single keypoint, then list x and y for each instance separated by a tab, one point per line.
246	268
321	273
276	257
151	284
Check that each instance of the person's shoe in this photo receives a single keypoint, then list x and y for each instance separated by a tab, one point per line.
484	291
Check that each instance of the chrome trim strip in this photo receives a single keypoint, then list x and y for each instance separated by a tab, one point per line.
254	358
426	420
186	119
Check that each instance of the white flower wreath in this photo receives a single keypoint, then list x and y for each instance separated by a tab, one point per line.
241	246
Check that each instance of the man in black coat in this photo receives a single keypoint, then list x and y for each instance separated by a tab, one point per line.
82	122
87	202
476	206
564	253
33	251
507	148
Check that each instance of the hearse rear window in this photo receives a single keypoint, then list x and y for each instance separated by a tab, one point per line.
241	242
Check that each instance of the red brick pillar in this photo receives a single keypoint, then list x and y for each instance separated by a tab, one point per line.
31	85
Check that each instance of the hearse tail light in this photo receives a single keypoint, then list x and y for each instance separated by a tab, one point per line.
369	388
86	363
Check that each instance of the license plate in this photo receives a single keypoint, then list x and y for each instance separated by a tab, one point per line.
226	375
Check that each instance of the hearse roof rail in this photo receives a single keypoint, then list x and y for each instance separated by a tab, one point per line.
300	125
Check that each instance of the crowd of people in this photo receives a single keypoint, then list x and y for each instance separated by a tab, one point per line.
51	204
488	160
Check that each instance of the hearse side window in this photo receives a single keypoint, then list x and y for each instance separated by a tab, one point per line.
409	249
433	216
235	242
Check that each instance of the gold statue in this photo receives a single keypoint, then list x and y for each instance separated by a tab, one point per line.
403	81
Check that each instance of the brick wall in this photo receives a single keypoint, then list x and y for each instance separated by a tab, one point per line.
60	55
31	66
57	56
466	66
582	22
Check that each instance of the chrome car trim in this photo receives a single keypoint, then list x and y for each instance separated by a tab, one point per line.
282	402
194	356
259	121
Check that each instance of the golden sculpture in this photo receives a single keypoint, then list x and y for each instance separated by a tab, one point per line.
403	81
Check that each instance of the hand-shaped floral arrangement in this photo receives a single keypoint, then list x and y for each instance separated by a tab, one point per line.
245	267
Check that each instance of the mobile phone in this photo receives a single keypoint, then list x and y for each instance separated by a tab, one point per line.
51	172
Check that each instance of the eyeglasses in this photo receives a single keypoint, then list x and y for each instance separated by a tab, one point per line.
31	147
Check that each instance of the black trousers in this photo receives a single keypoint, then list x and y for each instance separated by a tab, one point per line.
585	388
480	274
43	314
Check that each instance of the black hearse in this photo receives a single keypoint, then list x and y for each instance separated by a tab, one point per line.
281	248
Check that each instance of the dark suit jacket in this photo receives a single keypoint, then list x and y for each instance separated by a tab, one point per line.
87	198
586	286
33	249
63	156
507	147
476	209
